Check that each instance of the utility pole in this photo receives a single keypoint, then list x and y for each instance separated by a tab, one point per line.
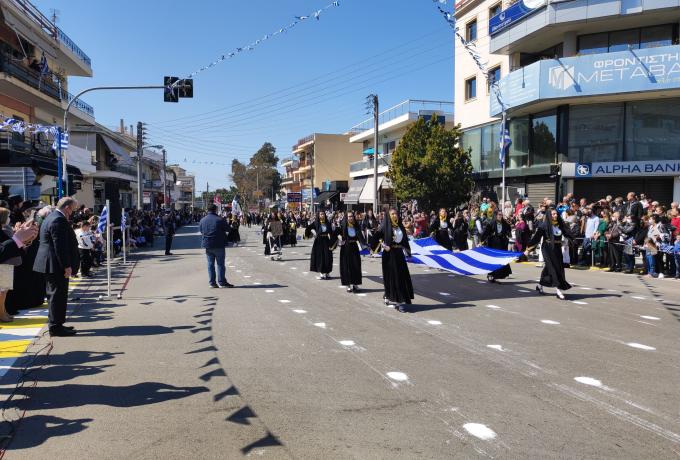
376	119
311	185
140	151
165	185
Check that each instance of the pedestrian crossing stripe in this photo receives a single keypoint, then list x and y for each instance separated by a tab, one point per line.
14	348
24	322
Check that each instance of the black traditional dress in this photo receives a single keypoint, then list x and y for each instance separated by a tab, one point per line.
497	236
553	268
350	257
370	228
396	276
234	235
321	260
441	232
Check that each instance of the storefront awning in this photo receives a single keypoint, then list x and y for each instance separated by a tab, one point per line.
368	193
124	157
48	167
352	196
324	196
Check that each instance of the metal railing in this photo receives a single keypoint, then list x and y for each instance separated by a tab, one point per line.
123	169
408	106
45	84
303	141
368	164
51	29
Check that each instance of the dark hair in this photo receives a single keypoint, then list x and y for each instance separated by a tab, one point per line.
212	207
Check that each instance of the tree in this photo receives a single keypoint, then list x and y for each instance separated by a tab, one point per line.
259	178
430	165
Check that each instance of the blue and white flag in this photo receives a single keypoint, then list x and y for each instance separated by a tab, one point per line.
60	139
477	261
123	221
44	67
505	144
103	220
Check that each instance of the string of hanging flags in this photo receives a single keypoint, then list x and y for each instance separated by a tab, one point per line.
471	48
19	126
298	19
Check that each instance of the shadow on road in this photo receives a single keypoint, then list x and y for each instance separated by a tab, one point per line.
134	331
36	429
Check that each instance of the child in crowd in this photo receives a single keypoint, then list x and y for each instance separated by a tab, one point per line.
676	254
85	247
650	254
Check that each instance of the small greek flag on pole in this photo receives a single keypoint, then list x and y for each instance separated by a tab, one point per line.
64	141
505	144
123	221
103	220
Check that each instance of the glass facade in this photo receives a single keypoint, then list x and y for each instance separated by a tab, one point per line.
596	132
490	147
519	149
653	130
543	139
622	40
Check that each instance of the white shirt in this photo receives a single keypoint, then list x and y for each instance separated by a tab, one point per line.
351	232
85	240
592	223
443	224
398	235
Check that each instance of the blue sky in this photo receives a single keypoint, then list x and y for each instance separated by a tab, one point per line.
312	79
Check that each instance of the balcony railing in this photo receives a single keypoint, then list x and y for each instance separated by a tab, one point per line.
45	84
409	106
368	164
303	141
34	144
123	169
47	26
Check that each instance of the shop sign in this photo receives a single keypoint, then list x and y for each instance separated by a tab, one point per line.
627	168
512	14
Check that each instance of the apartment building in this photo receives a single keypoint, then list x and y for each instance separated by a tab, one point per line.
34	94
392	126
319	163
591	90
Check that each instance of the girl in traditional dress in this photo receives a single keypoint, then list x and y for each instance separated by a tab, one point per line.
265	230
441	230
349	239
370	226
321	260
396	277
551	230
497	236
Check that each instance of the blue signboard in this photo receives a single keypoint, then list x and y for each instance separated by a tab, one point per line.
627	168
294	197
512	14
649	69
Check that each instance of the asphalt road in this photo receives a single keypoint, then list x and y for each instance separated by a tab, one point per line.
287	366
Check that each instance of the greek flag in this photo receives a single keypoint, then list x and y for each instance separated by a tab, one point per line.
123	221
103	219
44	68
505	144
60	139
477	261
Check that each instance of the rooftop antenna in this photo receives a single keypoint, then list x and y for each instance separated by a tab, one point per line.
55	15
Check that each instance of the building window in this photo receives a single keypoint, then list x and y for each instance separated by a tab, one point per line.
494	10
470	88
653	130
544	139
472	142
519	149
489	159
623	40
494	76
595	133
471	31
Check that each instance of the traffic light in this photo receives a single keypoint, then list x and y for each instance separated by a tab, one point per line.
186	87
171	93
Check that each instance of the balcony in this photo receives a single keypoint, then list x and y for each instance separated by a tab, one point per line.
303	141
604	77
399	116
367	165
45	84
114	170
26	11
530	30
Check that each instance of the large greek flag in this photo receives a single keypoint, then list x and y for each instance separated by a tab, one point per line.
477	261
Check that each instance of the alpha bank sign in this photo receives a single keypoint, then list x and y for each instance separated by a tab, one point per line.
650	69
512	14
627	168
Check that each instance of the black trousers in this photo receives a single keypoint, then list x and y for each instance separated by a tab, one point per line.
57	296
615	256
168	243
85	260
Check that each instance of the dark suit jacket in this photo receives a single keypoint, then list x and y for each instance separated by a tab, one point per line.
58	246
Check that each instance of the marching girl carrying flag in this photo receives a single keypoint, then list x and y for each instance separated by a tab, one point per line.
396	276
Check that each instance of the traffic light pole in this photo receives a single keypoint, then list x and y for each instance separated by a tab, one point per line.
62	175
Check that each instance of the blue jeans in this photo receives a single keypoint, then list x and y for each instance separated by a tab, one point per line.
216	255
677	265
651	263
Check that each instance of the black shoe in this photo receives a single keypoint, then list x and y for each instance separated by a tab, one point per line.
355	289
61	331
213	285
402	309
69	327
226	285
349	289
169	254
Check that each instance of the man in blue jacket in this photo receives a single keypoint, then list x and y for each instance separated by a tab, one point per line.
214	231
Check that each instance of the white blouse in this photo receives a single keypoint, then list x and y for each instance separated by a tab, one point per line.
351	232
398	235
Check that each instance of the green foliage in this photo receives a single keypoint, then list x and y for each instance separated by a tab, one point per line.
259	177
430	165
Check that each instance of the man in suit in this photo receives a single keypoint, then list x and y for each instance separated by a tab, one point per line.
214	230
633	207
58	259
